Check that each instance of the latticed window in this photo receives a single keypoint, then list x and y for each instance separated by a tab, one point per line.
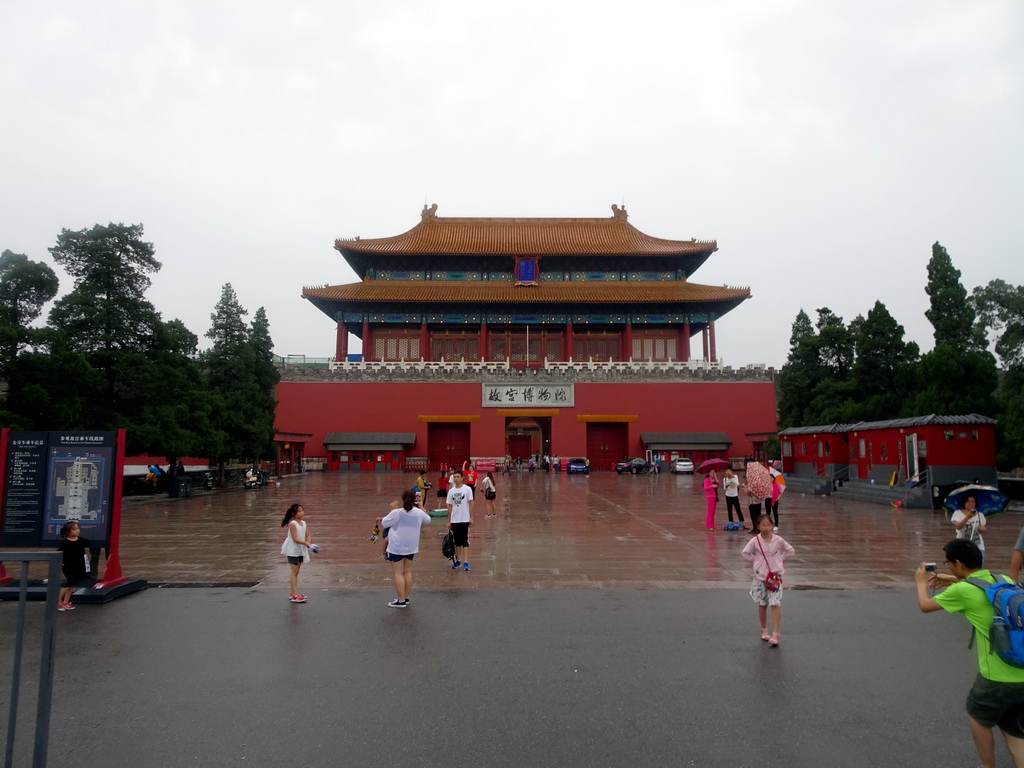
602	345
455	345
504	344
396	345
654	347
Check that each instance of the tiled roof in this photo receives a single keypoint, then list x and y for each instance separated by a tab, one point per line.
686	440
462	292
370	438
970	419
613	236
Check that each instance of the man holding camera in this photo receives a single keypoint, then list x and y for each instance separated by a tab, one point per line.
997	697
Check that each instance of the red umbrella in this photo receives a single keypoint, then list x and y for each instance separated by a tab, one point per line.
716	464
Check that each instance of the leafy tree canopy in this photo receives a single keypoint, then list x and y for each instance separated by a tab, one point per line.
107	309
1000	308
950	313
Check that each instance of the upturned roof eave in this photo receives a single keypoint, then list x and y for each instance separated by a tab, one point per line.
333	307
360	261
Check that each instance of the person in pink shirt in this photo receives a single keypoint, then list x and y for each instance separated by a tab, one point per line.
767	551
711	498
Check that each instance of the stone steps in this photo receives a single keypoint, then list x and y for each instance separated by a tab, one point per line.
876	493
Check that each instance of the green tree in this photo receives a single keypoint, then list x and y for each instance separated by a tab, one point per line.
267	374
835	345
107	318
50	387
800	374
958	376
884	375
950	313
1000	308
956	383
235	369
146	381
1010	427
25	286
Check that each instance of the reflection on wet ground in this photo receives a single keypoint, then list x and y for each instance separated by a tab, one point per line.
605	530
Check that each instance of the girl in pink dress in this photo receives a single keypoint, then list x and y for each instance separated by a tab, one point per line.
766	552
711	497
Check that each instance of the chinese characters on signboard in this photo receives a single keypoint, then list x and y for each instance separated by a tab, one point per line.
528	395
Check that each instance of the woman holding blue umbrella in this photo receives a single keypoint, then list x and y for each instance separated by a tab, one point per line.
970	522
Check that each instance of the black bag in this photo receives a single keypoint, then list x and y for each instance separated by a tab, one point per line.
448	545
490	495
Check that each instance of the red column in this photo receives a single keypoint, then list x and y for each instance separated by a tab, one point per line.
341	344
567	347
627	342
711	342
684	343
424	341
483	341
704	339
367	342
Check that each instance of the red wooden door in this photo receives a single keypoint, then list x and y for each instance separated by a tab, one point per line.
519	447
606	444
447	444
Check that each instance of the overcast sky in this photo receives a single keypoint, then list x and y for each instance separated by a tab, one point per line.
824	145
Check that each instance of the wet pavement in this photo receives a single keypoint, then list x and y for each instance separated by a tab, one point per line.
601	531
600	626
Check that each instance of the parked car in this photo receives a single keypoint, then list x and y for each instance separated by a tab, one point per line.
682	466
578	465
636	466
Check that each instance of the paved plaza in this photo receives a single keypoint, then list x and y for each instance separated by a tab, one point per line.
600	626
598	531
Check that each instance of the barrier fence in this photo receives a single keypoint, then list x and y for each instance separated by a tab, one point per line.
47	648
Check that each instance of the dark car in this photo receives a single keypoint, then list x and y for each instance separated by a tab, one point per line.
578	465
636	466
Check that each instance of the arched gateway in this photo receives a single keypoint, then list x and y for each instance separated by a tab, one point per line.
486	337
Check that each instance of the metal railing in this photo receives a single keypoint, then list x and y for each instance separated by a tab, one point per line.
47	648
508	365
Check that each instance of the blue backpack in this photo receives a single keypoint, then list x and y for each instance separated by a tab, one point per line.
1006	632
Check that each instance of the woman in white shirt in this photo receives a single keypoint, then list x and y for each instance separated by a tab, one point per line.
731	484
970	523
490	493
403	526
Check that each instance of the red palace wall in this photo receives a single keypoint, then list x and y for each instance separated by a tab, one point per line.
322	407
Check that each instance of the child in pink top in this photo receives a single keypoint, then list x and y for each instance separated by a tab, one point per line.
767	551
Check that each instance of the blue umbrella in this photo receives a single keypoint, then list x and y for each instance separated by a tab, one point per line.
991	501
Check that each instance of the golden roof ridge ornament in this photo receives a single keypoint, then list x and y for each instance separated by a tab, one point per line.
429	214
619	213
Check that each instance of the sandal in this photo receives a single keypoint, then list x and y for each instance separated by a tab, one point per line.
773	641
764	634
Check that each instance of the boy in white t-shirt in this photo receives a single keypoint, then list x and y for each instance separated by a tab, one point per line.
460	516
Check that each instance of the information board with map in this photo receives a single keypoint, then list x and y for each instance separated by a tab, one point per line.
54	477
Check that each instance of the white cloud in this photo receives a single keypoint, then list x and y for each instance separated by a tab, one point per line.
825	145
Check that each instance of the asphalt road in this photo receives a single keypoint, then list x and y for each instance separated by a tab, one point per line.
503	678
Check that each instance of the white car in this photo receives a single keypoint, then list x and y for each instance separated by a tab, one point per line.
682	466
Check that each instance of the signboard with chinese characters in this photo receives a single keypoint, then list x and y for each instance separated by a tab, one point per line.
24	489
518	395
526	271
54	477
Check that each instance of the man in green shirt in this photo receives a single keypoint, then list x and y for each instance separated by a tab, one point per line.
997	697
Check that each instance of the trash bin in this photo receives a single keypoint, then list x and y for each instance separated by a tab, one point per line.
180	487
